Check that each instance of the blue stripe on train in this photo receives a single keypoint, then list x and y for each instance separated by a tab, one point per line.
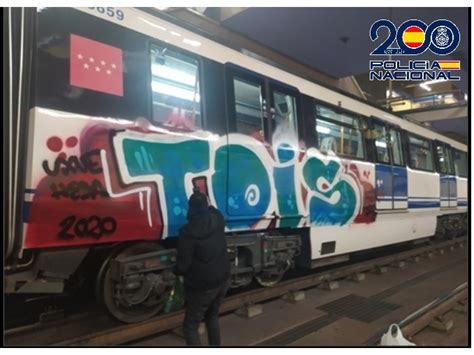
400	182
26	211
423	204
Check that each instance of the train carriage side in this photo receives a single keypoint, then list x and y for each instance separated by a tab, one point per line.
130	112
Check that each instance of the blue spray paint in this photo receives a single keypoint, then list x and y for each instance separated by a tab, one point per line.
248	186
327	211
171	161
285	185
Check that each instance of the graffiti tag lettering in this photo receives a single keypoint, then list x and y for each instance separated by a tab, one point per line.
247	184
76	190
143	175
93	227
168	163
332	199
73	164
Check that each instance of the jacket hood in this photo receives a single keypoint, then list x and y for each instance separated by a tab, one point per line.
202	225
197	205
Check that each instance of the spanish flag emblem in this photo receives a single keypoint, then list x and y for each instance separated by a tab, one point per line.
449	64
413	37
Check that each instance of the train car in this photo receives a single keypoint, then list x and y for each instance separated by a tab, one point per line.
116	114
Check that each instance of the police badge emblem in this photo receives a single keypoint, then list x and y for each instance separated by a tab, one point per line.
442	37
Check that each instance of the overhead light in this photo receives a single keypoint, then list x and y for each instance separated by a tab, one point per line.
434	81
380	144
192	42
323	130
426	83
425	86
165	72
171	90
175	33
394	94
161	8
465	97
153	24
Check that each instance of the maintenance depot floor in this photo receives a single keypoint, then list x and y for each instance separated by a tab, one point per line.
352	314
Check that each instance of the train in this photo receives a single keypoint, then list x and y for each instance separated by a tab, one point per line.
116	114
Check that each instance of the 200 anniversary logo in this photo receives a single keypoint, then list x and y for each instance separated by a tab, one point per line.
414	37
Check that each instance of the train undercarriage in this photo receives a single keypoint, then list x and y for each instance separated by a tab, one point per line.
133	280
451	225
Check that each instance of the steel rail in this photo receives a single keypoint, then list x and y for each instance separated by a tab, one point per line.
126	333
422	317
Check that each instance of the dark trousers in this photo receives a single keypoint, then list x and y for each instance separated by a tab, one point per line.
203	305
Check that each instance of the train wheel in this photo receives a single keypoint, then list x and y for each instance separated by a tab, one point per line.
271	277
268	280
135	299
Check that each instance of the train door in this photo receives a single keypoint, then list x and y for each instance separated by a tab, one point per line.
461	172
283	110
445	168
283	124
248	185
262	147
390	169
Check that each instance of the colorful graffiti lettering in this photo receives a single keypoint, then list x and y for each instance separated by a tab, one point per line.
166	164
333	196
141	177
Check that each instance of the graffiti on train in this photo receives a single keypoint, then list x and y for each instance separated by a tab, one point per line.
142	177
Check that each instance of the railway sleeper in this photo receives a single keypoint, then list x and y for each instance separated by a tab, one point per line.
442	323
249	311
294	296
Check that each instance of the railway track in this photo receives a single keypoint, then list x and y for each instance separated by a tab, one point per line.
101	330
431	314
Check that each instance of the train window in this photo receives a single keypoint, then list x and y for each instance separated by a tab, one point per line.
326	112
396	144
248	108
460	163
285	111
421	156
381	143
175	88
339	133
444	159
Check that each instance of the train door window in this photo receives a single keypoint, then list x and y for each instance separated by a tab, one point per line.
395	142
339	133
248	108
460	163
421	156
175	88
285	115
381	143
444	159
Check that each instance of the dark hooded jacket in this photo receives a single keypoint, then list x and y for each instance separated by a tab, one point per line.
202	250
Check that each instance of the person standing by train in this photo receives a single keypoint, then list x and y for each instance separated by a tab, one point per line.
203	261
